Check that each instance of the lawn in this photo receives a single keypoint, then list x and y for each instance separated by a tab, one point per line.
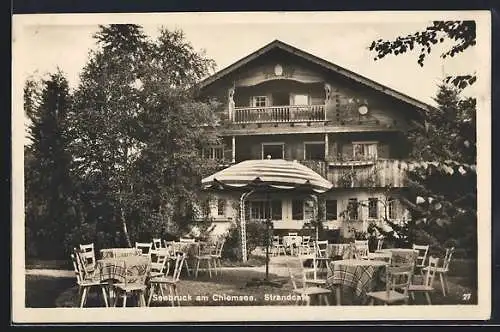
42	292
231	289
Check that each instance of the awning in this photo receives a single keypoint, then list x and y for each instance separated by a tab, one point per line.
268	173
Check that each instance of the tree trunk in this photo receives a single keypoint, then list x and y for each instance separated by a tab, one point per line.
124	227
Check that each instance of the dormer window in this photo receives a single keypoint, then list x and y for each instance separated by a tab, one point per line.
259	101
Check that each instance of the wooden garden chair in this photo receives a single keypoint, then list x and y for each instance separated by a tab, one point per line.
170	282
426	286
85	284
422	256
278	245
443	270
217	255
398	280
300	287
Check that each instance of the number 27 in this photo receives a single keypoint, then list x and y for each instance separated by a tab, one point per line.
466	297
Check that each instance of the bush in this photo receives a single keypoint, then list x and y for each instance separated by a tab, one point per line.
255	237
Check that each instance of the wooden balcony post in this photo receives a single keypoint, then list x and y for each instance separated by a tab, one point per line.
326	146
233	151
230	103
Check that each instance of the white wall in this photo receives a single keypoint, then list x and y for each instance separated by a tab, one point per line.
341	195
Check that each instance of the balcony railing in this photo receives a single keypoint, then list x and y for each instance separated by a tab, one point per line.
273	114
379	173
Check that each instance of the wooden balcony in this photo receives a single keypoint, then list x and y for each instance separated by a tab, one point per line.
276	114
359	174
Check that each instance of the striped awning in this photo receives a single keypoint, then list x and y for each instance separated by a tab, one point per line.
268	173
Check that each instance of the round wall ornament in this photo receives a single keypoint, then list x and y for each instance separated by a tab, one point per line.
278	70
363	109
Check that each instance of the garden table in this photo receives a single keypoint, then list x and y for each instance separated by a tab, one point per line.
191	249
119	252
361	275
380	256
127	269
292	241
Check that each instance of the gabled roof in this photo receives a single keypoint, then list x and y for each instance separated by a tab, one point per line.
277	44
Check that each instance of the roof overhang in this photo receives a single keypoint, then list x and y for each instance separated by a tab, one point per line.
277	44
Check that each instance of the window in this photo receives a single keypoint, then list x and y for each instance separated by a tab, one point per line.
364	151
331	209
300	99
259	101
273	150
276	210
372	208
297	210
221	207
392	207
262	210
314	150
259	210
352	208
214	152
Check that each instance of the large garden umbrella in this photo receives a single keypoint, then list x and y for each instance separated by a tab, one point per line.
268	175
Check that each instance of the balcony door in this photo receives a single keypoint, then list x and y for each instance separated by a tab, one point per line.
281	98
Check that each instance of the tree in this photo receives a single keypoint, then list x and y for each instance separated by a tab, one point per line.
445	189
462	33
50	209
106	105
138	131
441	195
442	181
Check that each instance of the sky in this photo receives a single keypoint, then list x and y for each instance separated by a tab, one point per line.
51	43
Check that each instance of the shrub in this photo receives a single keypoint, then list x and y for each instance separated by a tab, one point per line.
255	237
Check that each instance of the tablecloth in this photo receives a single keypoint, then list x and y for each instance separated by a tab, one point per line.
119	252
401	256
289	240
380	256
362	276
129	269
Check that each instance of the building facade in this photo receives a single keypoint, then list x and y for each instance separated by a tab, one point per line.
283	103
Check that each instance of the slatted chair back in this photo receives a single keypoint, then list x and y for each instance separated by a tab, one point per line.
447	258
321	248
179	261
145	247
76	267
157	243
220	247
87	254
422	254
207	248
159	265
360	248
398	278
293	234
431	271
